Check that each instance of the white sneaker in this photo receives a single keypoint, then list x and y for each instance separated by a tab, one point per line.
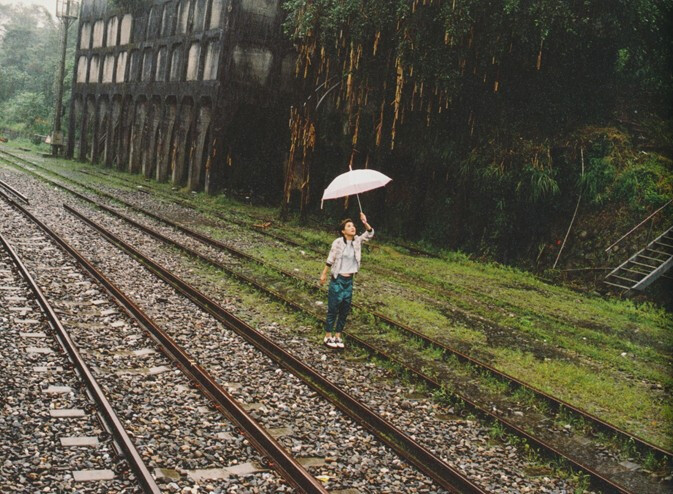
339	343
330	342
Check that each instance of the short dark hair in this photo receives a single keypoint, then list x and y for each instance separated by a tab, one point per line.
343	224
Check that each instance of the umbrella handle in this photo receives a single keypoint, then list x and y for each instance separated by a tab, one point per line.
359	204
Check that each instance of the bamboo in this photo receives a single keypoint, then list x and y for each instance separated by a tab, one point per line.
573	218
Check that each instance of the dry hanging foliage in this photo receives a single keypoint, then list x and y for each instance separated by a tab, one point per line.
302	144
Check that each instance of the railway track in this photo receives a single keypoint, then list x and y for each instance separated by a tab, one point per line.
463	297
48	413
533	433
481	409
51	323
425	461
273	453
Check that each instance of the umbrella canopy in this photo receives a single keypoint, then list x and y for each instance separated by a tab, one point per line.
355	182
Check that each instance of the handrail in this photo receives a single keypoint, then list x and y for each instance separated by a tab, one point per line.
637	226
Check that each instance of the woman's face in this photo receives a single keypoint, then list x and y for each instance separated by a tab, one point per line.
349	229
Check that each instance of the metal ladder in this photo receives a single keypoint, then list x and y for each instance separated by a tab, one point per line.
641	269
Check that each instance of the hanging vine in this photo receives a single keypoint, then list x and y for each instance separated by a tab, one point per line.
453	75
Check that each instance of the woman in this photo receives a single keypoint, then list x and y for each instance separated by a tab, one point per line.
343	261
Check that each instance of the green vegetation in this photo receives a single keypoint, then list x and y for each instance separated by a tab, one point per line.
29	57
485	114
608	356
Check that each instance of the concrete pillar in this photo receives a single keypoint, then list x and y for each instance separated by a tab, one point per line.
199	156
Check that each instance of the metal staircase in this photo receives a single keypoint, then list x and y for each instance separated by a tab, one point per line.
641	269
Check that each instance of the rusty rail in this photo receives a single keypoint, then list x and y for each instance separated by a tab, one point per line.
288	467
107	412
398	441
11	189
555	403
597	479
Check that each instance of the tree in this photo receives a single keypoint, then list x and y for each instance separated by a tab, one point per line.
471	95
29	40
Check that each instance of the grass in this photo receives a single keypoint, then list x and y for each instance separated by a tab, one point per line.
611	357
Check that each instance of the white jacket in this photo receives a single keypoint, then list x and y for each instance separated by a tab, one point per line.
337	250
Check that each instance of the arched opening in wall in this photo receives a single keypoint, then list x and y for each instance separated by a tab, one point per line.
134	66
121	75
182	143
112	31
82	68
183	16
112	150
98	34
176	63
153	23
197	172
212	60
193	62
166	20
148	58
94	70
126	29
166	138
137	130
200	11
215	14
208	181
123	162
108	68
85	36
162	64
151	137
101	130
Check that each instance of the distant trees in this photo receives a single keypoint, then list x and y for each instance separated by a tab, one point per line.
29	41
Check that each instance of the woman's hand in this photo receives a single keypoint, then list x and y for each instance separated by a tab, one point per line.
363	218
323	278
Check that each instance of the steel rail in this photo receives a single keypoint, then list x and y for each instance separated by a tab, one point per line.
597	479
279	458
398	441
187	204
14	191
379	269
555	403
108	414
643	445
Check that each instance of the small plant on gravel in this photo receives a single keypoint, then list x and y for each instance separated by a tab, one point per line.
628	449
524	396
582	482
652	463
532	454
492	384
444	395
496	431
436	354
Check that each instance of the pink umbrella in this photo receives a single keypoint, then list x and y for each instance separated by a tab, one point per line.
354	182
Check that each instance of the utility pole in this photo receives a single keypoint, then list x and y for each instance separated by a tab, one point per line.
66	12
